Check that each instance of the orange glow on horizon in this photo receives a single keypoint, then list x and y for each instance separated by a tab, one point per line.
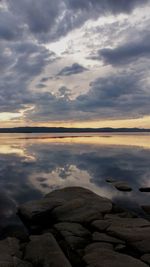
18	120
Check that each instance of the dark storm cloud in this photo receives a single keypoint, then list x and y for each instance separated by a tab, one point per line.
48	20
10	28
20	63
121	95
126	53
70	70
114	6
25	26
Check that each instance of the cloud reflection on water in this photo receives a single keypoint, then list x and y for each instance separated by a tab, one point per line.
30	168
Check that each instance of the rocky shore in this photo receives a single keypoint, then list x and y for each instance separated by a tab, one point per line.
75	227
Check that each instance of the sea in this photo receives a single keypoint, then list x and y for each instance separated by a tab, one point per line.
32	165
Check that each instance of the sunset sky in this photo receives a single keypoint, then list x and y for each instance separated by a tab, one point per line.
75	63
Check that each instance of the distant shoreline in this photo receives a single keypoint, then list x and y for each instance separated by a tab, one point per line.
72	130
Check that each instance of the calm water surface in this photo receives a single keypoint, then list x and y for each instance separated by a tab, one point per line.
34	164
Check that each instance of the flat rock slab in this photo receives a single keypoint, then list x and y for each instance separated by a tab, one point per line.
81	205
128	222
96	246
74	234
109	258
101	237
71	204
101	225
43	250
130	234
122	186
37	210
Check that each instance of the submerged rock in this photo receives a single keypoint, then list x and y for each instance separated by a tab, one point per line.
122	186
144	189
110	180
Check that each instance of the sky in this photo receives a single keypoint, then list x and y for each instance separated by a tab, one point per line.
75	63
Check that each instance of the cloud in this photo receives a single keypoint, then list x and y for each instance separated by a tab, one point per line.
126	53
20	63
49	20
25	61
70	70
117	95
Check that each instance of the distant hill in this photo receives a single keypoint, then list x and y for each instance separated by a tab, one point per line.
70	130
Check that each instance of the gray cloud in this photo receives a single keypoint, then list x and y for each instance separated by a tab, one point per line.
126	53
26	25
49	20
116	96
70	70
20	63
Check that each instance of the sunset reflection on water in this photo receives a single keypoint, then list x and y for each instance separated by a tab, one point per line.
33	165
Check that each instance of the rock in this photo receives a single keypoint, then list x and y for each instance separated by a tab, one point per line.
120	247
16	231
71	204
124	214
43	250
81	206
101	237
130	234
100	225
109	258
128	222
98	245
74	234
110	180
9	248
19	263
142	246
146	208
146	258
144	189
37	210
122	186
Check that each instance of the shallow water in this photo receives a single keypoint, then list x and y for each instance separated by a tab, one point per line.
31	165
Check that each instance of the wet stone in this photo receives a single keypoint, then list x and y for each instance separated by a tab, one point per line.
122	186
110	258
75	234
146	208
130	234
96	246
146	258
43	250
101	237
142	246
100	225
